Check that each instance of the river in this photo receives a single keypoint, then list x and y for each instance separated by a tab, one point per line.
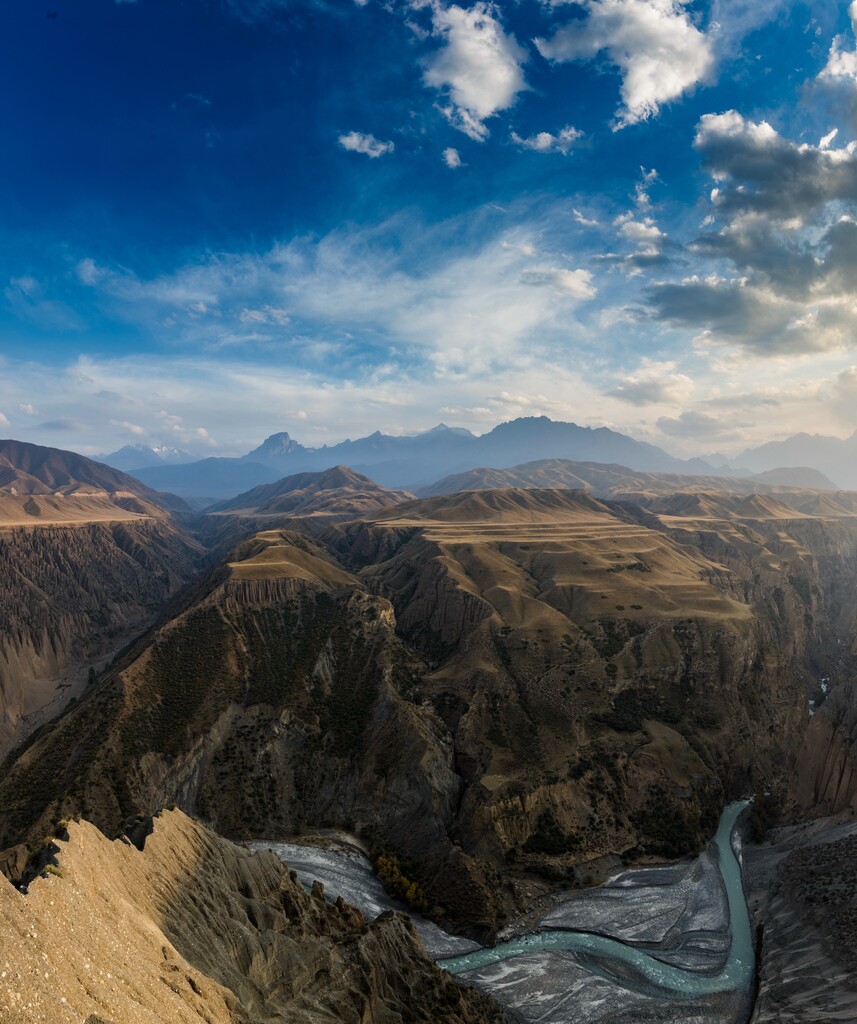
666	943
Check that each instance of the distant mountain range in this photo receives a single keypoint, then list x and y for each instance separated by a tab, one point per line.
140	456
413	460
416	460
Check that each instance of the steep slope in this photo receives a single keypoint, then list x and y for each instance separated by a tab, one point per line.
497	686
192	928
31	469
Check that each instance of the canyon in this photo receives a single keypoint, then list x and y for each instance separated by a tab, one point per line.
504	691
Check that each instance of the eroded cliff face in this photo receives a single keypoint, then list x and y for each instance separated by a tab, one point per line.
71	593
193	928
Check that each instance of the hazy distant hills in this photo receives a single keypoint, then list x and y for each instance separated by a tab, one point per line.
412	460
833	456
614	481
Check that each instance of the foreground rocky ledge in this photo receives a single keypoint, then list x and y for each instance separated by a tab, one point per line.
193	928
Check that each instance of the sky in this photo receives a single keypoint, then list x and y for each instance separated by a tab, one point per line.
225	218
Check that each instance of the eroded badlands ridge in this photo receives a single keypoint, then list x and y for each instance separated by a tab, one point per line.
194	929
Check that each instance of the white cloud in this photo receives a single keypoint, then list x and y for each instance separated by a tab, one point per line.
641	189
358	142
132	428
480	66
28	409
452	158
265	315
841	64
544	142
654	383
642	231
362	296
660	53
4	420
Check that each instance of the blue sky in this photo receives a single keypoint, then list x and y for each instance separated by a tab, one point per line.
222	218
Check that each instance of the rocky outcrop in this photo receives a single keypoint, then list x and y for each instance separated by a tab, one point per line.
825	777
193	928
802	886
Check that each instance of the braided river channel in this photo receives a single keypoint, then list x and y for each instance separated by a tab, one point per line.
664	943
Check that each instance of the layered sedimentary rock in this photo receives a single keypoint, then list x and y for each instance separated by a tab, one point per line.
192	928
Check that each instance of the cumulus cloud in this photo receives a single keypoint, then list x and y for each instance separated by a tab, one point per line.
639	230
756	318
777	225
841	67
479	67
359	142
654	384
658	50
132	428
545	142
452	158
4	420
758	170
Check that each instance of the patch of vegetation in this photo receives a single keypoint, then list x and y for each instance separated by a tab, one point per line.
763	814
397	883
549	838
673	827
